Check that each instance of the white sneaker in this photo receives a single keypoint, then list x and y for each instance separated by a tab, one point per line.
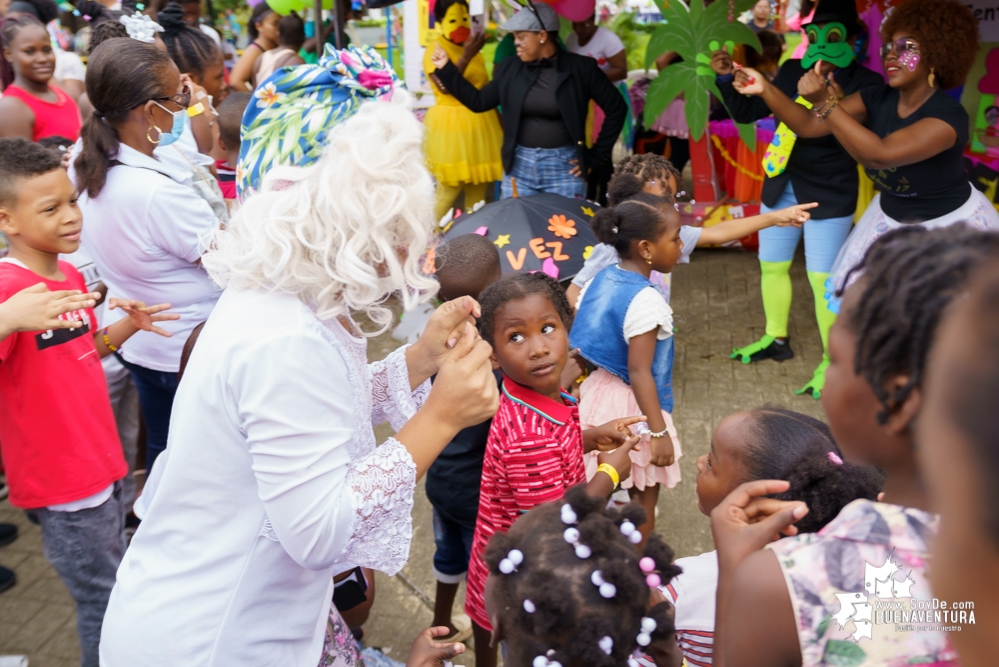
13	661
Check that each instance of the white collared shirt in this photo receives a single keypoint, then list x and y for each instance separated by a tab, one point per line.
146	231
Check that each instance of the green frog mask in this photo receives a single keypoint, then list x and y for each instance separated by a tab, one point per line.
828	44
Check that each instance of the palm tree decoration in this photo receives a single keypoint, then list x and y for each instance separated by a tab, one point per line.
695	33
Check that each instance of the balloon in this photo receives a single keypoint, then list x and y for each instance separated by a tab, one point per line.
285	7
574	10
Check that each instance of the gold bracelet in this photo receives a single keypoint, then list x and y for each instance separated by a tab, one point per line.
107	341
825	114
611	472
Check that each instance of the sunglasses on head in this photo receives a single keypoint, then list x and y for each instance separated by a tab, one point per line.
898	47
183	98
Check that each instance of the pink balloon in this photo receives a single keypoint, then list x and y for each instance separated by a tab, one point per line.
574	10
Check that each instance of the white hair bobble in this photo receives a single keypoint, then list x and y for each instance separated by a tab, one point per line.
571	536
568	515
509	564
648	627
607	589
606	644
140	27
629	530
529	607
546	661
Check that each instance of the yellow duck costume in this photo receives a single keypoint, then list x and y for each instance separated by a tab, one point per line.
462	147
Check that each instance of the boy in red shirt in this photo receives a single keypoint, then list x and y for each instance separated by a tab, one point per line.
61	450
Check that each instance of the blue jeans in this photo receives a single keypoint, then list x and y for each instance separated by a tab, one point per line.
823	238
454	548
85	548
156	391
538	170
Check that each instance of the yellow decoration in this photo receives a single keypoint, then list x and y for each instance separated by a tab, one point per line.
587	251
728	158
502	240
587	211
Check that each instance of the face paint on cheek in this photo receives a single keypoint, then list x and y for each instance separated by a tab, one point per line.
909	60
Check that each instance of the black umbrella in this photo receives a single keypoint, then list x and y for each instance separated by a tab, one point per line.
545	232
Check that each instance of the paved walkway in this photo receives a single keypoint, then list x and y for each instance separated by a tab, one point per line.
716	300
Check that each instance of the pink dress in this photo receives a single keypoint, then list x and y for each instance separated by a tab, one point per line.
795	23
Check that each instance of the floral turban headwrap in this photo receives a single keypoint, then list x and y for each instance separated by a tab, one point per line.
293	110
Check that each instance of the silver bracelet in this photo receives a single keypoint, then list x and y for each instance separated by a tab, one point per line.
660	434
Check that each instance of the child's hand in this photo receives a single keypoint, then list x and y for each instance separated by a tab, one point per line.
608	437
662	451
573	370
35	308
620	458
144	316
428	653
794	216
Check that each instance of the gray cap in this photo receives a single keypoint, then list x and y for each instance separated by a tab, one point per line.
526	20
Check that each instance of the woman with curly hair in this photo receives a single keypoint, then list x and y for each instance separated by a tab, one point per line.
908	134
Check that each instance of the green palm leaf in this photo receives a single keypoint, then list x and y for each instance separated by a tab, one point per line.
695	32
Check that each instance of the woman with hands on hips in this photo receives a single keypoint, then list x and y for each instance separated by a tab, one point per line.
908	134
545	94
272	480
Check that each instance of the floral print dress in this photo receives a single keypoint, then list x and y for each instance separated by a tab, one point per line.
855	585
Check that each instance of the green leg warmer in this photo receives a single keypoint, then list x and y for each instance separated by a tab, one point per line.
775	284
825	318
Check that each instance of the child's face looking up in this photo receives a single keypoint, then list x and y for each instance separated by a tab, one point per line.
721	470
531	344
45	216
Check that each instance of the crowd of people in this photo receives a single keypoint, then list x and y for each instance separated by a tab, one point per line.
177	252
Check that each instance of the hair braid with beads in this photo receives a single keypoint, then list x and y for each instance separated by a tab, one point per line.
650	167
910	275
550	606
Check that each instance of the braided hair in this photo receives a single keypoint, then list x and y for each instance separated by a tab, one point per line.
910	275
518	286
556	606
192	50
649	167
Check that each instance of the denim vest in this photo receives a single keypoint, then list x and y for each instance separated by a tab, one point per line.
598	330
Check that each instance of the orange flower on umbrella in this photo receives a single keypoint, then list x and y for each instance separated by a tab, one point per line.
562	227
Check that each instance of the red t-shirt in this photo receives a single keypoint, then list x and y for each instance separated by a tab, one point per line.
58	434
52	119
533	454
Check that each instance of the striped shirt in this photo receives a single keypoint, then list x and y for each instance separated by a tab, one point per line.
533	454
693	595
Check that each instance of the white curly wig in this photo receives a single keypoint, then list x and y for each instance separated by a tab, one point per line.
346	233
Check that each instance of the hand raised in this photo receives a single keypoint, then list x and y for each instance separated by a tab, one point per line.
35	308
465	392
746	522
620	458
608	437
143	317
812	86
439	57
721	62
748	81
442	332
473	45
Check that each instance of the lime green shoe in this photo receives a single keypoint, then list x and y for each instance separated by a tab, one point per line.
814	387
767	347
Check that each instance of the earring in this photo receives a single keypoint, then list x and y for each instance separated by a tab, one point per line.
157	139
933	78
542	41
648	260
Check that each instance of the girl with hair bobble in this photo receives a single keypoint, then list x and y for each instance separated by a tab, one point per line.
635	360
567	588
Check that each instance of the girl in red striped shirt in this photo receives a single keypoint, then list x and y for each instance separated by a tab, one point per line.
535	446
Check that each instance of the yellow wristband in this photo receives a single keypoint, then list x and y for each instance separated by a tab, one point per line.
611	472
107	341
196	110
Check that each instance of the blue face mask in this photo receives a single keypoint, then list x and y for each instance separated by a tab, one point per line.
179	123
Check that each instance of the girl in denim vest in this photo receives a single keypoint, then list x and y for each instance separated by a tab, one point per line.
624	326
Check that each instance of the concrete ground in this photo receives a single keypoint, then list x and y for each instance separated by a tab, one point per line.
716	301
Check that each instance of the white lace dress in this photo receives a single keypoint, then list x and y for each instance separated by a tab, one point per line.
270	483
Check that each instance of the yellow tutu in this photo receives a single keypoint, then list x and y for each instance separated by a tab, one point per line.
462	146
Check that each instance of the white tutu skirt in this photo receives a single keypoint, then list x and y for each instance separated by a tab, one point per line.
603	397
978	212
